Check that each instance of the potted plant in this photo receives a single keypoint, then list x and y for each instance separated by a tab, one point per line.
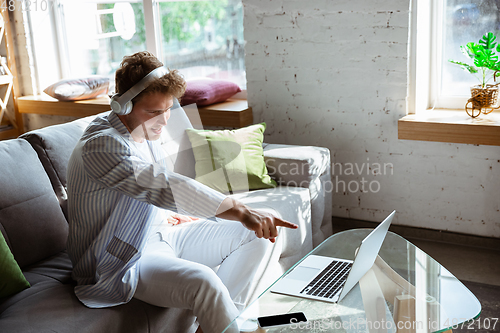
484	96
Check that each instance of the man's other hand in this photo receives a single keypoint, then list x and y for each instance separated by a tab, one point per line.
176	219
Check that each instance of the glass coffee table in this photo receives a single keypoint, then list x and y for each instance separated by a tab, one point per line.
405	291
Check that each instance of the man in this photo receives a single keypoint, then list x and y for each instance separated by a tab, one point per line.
120	242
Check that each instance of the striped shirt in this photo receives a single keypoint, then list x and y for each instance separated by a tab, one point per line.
114	192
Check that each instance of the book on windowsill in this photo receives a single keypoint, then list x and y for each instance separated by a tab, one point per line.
5	127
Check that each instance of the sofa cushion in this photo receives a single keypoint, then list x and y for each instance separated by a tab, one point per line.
289	203
54	145
31	219
13	280
55	268
50	305
44	274
55	308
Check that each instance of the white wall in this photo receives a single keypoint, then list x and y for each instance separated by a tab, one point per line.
334	74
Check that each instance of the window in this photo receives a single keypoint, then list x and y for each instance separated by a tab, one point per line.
438	30
204	38
75	38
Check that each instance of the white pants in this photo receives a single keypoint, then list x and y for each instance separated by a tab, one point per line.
175	270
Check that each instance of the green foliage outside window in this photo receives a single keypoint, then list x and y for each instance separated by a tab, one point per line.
204	29
178	19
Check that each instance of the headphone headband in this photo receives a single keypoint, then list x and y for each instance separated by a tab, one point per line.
122	104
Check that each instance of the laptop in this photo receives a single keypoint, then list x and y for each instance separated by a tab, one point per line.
330	279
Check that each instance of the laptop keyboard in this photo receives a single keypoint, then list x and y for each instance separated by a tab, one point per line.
329	281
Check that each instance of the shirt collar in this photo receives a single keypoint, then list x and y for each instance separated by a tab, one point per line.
117	123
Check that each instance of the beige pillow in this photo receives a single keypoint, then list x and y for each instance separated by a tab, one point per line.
79	89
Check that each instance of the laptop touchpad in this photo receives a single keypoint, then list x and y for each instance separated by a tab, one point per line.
303	273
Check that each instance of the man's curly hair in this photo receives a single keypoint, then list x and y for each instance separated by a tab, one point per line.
135	67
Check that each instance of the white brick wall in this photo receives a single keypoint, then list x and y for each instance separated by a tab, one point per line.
334	74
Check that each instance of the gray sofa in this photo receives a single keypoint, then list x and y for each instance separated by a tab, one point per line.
33	222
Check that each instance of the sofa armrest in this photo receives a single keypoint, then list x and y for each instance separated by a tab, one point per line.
309	167
294	165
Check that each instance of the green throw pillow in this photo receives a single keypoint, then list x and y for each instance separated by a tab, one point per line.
12	280
231	160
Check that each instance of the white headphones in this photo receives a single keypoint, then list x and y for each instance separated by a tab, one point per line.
122	104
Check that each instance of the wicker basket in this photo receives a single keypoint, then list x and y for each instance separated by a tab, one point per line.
484	97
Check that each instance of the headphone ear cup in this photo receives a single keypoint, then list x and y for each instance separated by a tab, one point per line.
127	108
115	105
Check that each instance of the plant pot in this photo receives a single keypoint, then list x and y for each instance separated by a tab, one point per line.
483	100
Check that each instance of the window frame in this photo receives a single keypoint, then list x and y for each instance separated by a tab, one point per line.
424	121
151	25
59	51
425	59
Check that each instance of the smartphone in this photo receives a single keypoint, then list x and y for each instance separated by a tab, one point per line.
280	320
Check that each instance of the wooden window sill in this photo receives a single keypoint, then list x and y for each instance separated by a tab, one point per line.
231	113
451	126
44	104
